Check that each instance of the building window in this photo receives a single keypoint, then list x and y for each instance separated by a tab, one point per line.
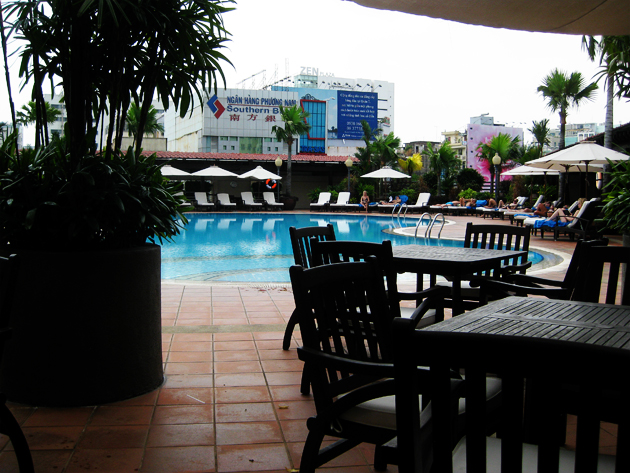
224	148
232	148
268	148
233	138
276	149
267	140
223	138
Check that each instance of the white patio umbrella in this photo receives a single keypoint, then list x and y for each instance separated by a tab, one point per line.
611	17
260	174
584	153
386	172
214	171
174	173
529	171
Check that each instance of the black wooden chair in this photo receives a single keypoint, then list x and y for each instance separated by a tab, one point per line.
346	325
8	425
599	277
525	285
497	237
331	252
593	371
301	245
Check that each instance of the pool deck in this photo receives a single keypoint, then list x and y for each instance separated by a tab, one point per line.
231	400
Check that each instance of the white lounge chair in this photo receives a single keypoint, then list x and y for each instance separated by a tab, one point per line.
248	201
224	200
421	203
323	201
202	200
343	200
270	198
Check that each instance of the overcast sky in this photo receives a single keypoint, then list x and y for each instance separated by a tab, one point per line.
444	72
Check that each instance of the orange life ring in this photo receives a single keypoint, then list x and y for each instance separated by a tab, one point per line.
271	184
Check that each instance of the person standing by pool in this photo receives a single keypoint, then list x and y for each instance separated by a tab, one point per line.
365	200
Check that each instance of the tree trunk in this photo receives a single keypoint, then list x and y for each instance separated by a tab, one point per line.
610	94
287	187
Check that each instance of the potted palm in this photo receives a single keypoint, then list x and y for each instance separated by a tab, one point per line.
84	215
294	119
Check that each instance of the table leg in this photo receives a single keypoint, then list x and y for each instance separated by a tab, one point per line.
458	305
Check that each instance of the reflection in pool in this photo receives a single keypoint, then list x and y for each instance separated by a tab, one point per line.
255	247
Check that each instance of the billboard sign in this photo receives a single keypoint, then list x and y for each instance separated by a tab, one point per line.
353	107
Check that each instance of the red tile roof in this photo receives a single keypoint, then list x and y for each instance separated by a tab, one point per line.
248	157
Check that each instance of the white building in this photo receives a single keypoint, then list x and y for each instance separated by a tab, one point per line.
240	120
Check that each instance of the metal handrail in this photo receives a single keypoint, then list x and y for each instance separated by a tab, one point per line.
420	222
427	234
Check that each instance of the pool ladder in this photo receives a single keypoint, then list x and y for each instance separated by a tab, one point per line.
400	207
427	233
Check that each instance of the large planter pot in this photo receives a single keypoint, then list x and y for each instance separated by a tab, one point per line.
86	327
289	202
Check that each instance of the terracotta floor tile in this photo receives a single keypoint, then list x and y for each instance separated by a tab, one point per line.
240	458
240	379
178	459
242	394
202	414
120	460
114	436
266	321
294	430
230	321
234	345
237	355
189	368
245	412
277	354
48	416
237	367
351	458
288	393
189	380
122	415
278	379
240	433
227	337
52	438
180	396
288	410
189	356
191	346
44	461
187	435
147	399
192	337
20	413
270	366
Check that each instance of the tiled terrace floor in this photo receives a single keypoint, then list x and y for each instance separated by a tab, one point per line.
230	403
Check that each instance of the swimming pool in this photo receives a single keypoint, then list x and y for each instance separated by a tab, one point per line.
255	248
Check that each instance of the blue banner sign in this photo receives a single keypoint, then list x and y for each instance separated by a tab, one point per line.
352	108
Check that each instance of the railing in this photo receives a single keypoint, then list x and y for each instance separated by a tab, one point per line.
427	233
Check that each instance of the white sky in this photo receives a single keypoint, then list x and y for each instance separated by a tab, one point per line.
444	72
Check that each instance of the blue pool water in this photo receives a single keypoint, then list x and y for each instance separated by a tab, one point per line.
255	247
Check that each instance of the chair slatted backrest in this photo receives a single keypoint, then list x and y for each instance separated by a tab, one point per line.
301	244
8	281
498	237
592	374
332	252
601	276
343	312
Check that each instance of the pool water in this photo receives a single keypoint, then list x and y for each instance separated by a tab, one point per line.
252	248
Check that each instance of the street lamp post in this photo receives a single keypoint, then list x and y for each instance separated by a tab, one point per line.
348	164
278	165
496	160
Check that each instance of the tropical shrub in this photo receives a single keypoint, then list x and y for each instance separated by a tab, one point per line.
617	208
469	178
468	194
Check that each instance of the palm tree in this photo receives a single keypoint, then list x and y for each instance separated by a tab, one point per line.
29	115
294	119
151	125
364	153
503	145
441	160
611	49
385	148
540	130
562	92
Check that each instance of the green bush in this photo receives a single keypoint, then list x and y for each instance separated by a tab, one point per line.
314	194
431	181
469	178
468	194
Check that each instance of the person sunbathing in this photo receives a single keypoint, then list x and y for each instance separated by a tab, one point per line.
514	204
543	209
467	202
392	201
492	204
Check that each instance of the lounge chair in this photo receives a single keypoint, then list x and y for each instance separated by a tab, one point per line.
421	204
343	200
202	201
224	200
248	201
323	202
270	199
520	216
580	225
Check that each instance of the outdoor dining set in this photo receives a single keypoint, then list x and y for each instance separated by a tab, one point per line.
491	385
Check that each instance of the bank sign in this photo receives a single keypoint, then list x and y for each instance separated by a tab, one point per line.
246	108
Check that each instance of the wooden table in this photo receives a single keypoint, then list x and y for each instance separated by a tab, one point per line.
584	322
455	263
